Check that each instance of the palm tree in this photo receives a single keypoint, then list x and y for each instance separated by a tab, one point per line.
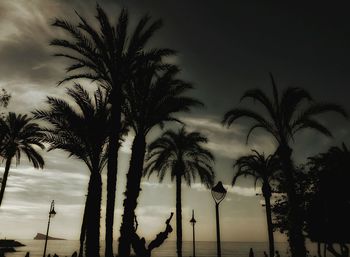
83	133
19	134
108	56
262	169
283	120
328	209
152	99
183	156
335	156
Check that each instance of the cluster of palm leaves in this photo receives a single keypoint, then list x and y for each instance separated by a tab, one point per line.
136	90
19	134
285	115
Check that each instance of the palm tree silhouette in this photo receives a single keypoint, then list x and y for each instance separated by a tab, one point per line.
83	133
263	169
335	155
19	134
283	121
328	210
109	56
183	156
152	99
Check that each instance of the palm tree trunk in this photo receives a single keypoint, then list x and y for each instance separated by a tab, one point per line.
319	249
4	178
131	194
295	217
112	174
93	215
83	230
178	217
269	224
330	248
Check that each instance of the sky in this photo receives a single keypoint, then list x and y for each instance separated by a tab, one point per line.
224	48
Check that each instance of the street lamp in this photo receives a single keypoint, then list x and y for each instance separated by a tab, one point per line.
52	213
218	192
193	221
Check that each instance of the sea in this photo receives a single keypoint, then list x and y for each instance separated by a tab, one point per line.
168	249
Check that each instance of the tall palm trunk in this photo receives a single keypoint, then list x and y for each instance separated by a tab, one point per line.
295	217
267	195
132	193
319	249
112	167
178	216
93	215
83	230
4	178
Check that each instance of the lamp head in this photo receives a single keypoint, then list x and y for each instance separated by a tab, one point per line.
218	192
52	212
52	209
193	221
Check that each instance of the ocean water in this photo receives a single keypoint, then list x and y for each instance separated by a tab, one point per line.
168	249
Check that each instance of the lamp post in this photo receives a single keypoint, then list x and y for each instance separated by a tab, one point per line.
193	221
218	192
52	213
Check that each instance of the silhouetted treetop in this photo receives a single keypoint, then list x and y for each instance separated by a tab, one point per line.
107	55
285	114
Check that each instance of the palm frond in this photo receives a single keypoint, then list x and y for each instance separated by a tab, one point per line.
19	133
73	128
181	154
313	124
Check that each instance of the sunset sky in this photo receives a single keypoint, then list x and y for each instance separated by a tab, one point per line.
225	47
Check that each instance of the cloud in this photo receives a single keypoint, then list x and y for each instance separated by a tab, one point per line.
155	210
212	124
155	185
27	183
28	70
243	191
127	144
228	142
25	40
237	190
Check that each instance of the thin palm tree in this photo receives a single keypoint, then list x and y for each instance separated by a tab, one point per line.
108	56
283	119
263	169
82	131
19	134
182	155
152	99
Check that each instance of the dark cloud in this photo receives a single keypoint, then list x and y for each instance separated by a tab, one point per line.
27	60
